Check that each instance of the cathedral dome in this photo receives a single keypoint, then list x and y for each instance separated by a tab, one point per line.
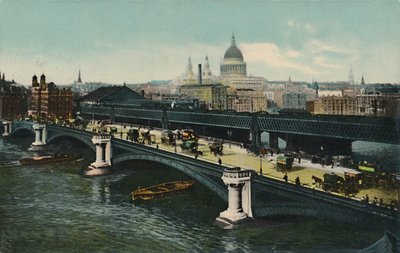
233	64
233	51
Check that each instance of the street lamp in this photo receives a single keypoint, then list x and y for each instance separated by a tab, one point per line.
260	163
398	192
229	133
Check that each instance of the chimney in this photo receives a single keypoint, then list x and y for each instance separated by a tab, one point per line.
199	78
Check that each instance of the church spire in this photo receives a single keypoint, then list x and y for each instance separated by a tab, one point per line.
362	80
79	77
207	71
189	70
351	76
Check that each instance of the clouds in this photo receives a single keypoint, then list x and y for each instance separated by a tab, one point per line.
270	54
301	26
315	58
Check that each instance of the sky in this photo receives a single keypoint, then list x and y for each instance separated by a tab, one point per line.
135	41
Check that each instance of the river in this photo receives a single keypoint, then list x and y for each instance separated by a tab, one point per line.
53	208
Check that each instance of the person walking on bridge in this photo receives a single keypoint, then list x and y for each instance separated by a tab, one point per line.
219	161
285	177
297	181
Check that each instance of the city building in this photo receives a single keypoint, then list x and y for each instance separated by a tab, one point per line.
315	106
113	95
13	99
47	100
334	105
294	100
247	100
181	101
378	104
212	95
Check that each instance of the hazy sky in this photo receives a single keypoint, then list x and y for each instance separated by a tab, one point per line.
136	41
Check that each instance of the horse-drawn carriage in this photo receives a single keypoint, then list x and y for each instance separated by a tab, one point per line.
133	134
373	176
191	148
189	135
256	151
332	182
168	138
146	137
284	162
216	148
349	185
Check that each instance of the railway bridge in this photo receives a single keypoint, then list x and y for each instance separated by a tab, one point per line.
330	134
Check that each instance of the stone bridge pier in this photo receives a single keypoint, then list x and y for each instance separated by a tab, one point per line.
40	136
7	127
102	165
239	198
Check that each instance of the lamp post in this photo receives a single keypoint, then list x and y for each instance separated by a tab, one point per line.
260	163
229	133
398	192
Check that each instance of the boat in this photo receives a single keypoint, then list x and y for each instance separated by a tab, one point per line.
46	159
161	190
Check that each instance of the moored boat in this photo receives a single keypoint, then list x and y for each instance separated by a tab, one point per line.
161	190
46	159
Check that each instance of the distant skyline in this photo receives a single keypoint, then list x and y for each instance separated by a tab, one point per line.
136	41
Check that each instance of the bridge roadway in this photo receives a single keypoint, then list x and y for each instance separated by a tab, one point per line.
234	155
292	128
271	196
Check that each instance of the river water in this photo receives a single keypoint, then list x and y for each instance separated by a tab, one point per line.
53	208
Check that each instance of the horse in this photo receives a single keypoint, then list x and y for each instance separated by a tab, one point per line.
317	181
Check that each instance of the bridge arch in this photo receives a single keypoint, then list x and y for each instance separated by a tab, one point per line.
219	189
57	135
22	128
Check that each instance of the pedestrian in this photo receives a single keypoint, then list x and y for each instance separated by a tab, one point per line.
392	204
219	161
297	181
195	155
299	159
157	146
381	201
332	164
285	177
367	198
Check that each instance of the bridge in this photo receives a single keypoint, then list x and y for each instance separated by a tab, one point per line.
300	131
249	193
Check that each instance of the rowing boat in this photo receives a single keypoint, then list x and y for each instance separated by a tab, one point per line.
46	159
161	190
